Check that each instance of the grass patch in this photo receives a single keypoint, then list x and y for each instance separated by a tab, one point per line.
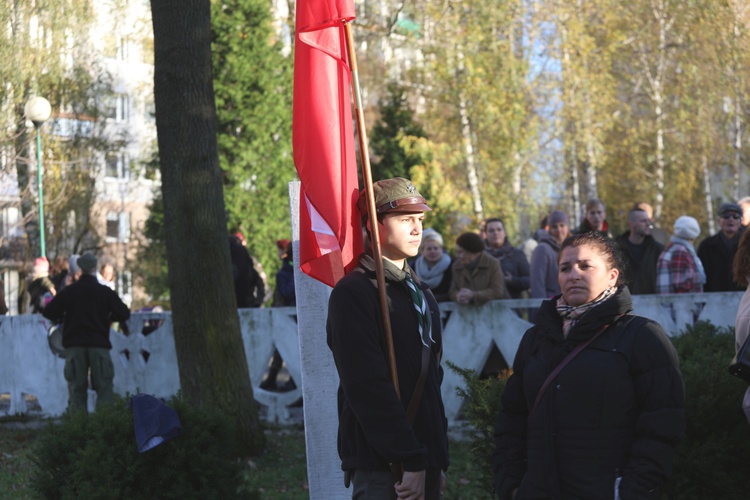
280	472
15	462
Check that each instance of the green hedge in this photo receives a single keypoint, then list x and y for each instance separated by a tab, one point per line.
96	457
711	462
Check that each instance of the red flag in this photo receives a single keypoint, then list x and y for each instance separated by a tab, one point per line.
323	141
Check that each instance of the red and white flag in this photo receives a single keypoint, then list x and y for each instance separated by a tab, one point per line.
323	141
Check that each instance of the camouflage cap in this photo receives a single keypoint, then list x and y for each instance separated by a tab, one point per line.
394	195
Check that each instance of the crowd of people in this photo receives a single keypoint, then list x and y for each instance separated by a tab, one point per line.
594	405
487	267
47	279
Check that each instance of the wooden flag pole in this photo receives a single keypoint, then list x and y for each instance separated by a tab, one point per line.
371	210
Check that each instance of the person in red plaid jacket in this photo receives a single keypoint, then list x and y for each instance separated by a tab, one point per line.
679	270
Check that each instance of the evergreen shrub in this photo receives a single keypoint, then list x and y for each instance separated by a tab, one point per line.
96	457
712	460
481	406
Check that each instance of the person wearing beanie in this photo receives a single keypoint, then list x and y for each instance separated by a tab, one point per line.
543	268
86	309
679	270
477	276
74	272
41	289
717	252
386	450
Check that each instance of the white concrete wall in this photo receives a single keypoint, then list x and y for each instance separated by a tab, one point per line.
27	366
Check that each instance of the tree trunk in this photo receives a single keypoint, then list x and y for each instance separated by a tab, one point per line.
591	165
657	80
707	194
471	169
736	69
210	352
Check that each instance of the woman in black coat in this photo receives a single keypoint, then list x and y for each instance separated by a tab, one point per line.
606	424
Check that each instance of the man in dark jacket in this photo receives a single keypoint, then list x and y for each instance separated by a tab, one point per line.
249	287
717	252
642	251
375	430
87	308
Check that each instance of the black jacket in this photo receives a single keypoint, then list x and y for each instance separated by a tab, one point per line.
86	308
248	284
513	262
717	259
641	273
616	409
373	427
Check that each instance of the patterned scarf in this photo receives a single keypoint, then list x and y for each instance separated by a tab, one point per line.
423	312
571	314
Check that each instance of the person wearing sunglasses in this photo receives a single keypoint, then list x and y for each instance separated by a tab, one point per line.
717	252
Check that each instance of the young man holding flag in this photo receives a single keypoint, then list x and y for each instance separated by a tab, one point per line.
392	444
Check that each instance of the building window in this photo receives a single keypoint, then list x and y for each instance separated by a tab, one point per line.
123	49
116	47
68	128
116	107
118	226
124	283
117	166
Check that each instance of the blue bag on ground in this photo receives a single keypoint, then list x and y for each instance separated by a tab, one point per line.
154	421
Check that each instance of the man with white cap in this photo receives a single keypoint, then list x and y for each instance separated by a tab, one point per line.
87	309
679	270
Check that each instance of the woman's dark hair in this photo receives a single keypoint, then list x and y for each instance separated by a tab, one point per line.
607	247
741	264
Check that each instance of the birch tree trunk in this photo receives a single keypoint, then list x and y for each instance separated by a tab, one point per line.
471	169
707	194
656	77
737	73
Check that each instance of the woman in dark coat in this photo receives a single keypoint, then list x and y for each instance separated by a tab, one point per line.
605	426
512	260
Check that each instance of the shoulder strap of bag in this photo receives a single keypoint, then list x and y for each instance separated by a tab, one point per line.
740	365
575	352
411	410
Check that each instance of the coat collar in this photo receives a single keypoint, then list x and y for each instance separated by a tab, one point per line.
607	312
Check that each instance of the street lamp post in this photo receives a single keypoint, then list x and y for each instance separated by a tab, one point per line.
38	110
